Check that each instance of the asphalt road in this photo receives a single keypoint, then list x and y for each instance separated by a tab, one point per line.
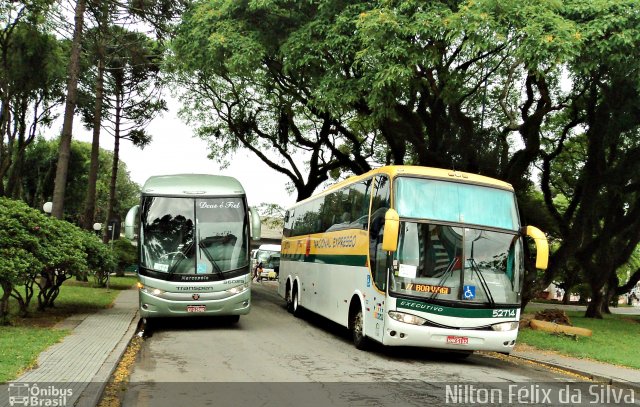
273	358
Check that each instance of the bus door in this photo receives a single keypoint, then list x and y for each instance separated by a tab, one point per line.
376	284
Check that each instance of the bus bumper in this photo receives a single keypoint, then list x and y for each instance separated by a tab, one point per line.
402	334
152	306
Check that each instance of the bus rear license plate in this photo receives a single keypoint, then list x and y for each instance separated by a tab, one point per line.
457	340
196	308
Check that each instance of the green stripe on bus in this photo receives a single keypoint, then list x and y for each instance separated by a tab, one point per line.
338	259
457	312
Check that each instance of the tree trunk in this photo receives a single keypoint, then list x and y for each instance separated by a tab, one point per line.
14	187
4	302
90	202
114	168
69	110
594	309
5	149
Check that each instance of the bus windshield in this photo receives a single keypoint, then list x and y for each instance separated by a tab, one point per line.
193	236
458	264
447	201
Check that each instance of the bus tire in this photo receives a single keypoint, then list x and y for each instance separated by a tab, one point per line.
148	324
288	300
296	309
360	340
233	319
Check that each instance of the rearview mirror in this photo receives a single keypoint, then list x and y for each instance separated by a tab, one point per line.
130	222
391	230
542	246
256	225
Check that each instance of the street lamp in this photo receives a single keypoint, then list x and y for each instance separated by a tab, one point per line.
97	227
47	207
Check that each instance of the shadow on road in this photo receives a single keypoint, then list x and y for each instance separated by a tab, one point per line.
150	326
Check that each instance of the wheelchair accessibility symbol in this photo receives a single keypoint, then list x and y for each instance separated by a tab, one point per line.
469	292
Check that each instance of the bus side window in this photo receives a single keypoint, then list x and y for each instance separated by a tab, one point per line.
359	195
379	206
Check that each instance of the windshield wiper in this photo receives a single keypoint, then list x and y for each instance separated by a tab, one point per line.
483	281
448	270
183	256
209	257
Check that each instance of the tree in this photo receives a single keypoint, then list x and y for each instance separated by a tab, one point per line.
403	82
258	104
96	44
37	184
134	97
39	252
69	110
110	17
31	80
272	215
599	136
160	14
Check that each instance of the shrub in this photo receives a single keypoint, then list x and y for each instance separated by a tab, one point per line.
100	258
43	252
125	253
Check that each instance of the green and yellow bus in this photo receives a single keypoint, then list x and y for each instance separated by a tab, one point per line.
193	239
411	256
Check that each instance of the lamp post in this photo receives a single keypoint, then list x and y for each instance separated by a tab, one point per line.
47	207
97	227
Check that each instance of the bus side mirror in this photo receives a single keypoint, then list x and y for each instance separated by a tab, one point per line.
391	230
256	226
130	222
542	246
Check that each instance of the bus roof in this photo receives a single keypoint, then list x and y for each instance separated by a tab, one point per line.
427	172
270	247
192	185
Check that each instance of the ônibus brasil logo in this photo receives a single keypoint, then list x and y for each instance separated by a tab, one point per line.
26	394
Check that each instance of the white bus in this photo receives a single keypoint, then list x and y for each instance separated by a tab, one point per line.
193	233
411	256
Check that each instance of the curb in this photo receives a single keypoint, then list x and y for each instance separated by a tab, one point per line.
595	377
91	395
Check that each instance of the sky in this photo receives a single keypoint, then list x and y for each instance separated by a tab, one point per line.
174	150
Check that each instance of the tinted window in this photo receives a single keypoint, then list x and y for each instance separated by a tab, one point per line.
347	208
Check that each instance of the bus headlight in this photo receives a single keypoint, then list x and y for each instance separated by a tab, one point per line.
407	318
505	326
237	289
156	292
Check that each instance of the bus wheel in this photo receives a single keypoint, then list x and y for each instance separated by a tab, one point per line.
287	299
357	331
295	305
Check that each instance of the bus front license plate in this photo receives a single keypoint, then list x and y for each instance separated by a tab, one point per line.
457	340
196	308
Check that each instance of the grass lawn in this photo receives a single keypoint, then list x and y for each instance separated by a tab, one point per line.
23	340
614	340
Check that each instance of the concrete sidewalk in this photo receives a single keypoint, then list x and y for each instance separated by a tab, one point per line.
83	362
80	366
597	371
